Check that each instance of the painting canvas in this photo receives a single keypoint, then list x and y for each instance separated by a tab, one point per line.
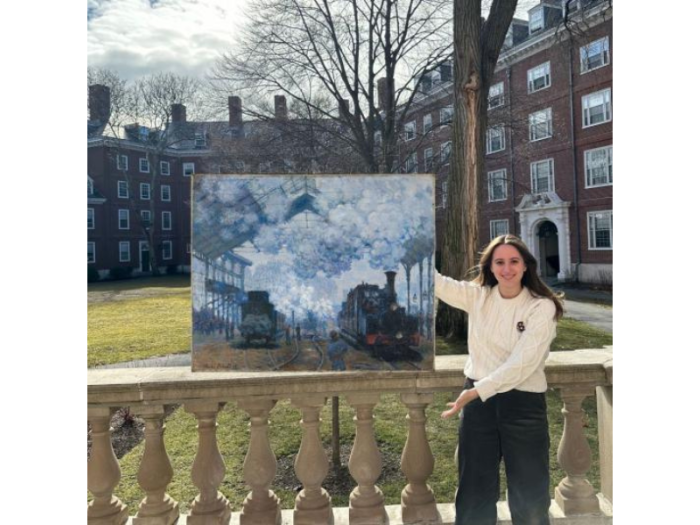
313	272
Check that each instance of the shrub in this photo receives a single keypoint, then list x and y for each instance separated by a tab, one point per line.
120	272
93	274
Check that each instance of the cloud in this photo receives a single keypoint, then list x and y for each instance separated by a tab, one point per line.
138	37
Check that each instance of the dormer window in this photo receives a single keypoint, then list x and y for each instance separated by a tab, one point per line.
91	186
536	20
200	140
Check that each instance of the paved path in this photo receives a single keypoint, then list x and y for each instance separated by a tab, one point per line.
593	314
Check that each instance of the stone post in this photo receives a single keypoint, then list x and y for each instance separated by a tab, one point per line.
103	472
261	505
604	395
417	499
155	472
365	465
575	494
313	504
210	507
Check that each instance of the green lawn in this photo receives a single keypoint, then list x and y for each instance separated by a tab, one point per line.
149	317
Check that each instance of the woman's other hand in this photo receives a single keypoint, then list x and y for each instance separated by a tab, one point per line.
465	397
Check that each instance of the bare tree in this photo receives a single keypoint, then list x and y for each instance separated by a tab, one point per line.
340	50
477	44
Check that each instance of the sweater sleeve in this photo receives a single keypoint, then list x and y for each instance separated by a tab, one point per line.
529	353
460	294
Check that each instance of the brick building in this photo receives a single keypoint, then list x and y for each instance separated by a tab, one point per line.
548	174
139	180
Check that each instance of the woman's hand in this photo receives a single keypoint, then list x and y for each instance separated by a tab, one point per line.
465	397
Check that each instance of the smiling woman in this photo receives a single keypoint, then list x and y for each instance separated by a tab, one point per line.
512	322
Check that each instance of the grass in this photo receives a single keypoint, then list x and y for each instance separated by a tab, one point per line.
143	318
137	319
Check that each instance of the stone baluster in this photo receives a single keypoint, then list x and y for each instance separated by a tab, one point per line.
574	494
261	505
313	504
418	503
155	472
210	507
365	465
103	472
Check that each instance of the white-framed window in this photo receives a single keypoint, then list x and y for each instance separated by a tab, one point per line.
122	162
443	195
538	78
146	218
496	95
428	160
123	219
144	165
498	186
167	250
91	218
495	139
145	191
542	176
92	256
595	55
411	164
599	168
91	186
597	108
124	251
164	167
445	152
498	227
167	220
200	140
536	20
122	189
541	124
600	230
188	169
446	115
410	130
165	192
427	123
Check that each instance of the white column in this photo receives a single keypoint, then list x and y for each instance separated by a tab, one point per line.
210	507
103	472
417	499
365	465
313	504
261	505
155	472
575	494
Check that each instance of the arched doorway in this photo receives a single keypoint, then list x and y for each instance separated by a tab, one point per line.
548	237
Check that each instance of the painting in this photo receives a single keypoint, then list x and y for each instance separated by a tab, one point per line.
313	272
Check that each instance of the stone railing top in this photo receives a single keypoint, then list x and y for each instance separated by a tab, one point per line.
130	386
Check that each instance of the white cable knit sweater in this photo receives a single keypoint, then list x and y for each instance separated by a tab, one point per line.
501	357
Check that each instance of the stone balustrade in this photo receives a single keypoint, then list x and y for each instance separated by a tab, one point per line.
146	391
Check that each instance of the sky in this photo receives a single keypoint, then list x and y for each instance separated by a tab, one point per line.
138	37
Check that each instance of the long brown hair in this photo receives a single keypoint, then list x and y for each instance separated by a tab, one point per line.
531	280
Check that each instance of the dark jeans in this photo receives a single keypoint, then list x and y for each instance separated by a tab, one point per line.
512	426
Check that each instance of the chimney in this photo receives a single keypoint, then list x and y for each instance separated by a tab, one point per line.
100	103
280	107
344	107
179	112
383	93
235	112
391	288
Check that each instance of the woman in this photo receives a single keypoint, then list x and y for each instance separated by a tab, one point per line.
512	321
